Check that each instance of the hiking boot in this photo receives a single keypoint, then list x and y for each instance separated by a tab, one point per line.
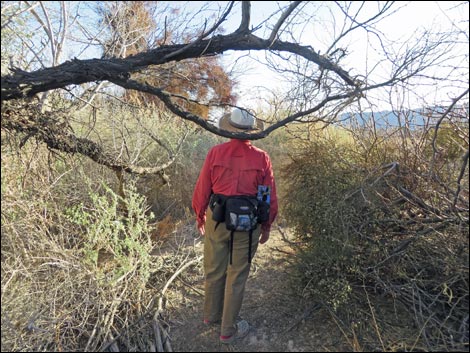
243	327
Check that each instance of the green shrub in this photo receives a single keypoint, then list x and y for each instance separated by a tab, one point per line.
75	256
121	239
317	184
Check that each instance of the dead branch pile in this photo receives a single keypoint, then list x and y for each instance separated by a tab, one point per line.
423	261
399	231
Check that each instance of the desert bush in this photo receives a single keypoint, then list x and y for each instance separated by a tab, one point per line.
371	219
316	207
80	264
175	197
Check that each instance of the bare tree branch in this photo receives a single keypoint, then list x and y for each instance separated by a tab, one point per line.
204	33
18	12
167	99
439	122
245	22
460	177
56	136
282	19
26	84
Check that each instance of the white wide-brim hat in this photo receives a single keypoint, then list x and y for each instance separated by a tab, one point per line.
240	120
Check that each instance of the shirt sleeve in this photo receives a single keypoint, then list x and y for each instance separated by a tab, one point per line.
269	180
202	191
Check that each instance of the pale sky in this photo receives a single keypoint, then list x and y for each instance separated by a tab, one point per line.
400	27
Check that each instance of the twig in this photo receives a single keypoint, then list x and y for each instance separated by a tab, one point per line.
166	339
113	347
284	237
290	253
158	336
156	323
459	179
172	278
376	327
304	316
191	287
340	325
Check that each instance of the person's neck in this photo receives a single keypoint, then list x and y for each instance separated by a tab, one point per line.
241	141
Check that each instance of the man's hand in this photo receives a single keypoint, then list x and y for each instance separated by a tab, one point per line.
264	236
201	229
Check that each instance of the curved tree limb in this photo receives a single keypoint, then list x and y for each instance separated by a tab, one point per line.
23	84
166	98
56	136
283	18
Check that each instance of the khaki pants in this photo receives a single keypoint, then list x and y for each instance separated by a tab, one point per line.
224	283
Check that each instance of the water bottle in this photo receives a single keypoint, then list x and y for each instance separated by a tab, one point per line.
264	194
264	199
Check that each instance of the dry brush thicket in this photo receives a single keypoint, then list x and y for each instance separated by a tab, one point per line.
382	212
82	268
384	221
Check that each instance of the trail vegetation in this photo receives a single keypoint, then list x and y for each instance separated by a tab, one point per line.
108	111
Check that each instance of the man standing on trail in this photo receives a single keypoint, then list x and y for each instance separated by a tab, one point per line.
237	183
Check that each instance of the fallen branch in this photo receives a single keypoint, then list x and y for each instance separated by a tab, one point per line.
284	237
158	335
306	314
161	336
172	278
165	339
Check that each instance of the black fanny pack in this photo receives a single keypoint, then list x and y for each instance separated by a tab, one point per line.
240	214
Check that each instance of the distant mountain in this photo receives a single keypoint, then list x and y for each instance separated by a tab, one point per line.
384	119
410	118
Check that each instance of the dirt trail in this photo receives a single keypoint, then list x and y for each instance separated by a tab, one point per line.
281	321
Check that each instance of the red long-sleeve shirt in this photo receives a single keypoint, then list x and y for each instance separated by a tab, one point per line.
234	168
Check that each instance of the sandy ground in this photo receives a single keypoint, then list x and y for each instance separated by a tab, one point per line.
281	321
